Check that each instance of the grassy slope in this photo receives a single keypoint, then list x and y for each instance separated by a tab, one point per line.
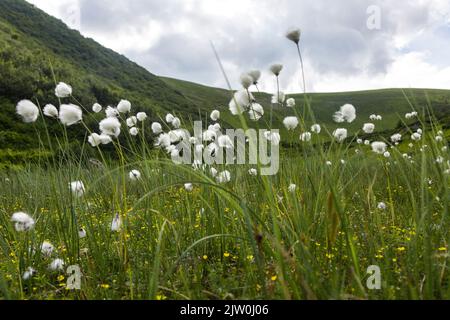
34	46
33	30
204	97
392	104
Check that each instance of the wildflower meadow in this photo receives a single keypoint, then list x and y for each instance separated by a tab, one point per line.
153	208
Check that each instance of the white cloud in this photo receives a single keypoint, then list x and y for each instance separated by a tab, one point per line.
130	38
410	70
173	38
66	10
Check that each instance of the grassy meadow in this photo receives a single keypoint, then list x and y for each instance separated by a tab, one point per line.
253	237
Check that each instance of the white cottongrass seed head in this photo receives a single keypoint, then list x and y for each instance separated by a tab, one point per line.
290	103
340	134
290	123
256	111
256	75
411	115
213	171
156	128
240	102
163	141
246	80
56	265
28	273
47	248
141	116
28	111
294	35
279	97
273	137
116	223
22	221
77	188
215	115
134	175
276	69
110	126
379	147
169	118
131	121
316	128
381	206
63	90
416	136
96	108
214	127
292	188
369	128
134	131
111	112
223	177
124	106
396	138
82	233
347	113
50	111
96	139
305	136
70	114
176	123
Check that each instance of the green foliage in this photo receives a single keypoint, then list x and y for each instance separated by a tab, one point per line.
251	238
10	158
78	60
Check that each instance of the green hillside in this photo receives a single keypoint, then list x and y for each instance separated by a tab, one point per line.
392	104
37	50
207	98
31	41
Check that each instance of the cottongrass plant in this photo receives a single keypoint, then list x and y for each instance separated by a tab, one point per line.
140	226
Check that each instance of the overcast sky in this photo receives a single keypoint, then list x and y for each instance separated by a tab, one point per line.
172	37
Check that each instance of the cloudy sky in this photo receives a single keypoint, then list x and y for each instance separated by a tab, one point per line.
347	45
